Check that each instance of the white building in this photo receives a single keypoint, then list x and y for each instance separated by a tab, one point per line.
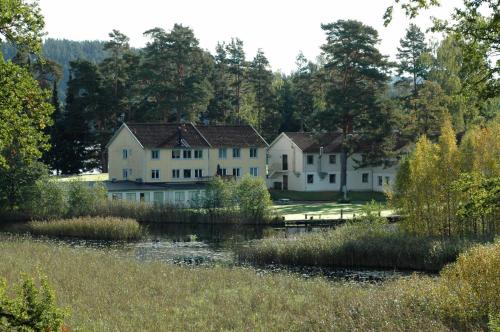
302	162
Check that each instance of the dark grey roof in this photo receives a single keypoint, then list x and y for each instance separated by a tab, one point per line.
138	186
189	135
232	135
167	135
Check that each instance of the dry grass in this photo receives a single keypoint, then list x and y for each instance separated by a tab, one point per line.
96	228
105	293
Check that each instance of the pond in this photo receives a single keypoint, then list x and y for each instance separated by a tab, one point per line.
208	245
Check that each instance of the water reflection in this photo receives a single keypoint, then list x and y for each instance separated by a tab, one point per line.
202	244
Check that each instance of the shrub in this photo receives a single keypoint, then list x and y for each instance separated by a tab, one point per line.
33	310
469	289
99	228
254	199
83	198
48	201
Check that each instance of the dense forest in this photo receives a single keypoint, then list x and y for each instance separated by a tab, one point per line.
351	87
63	51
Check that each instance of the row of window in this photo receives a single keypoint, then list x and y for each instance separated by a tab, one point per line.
158	197
196	154
332	159
364	178
198	173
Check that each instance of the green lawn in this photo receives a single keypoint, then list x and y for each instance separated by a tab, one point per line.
322	210
330	196
84	177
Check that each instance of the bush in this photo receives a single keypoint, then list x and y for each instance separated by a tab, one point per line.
97	228
469	289
83	198
253	198
48	201
33	309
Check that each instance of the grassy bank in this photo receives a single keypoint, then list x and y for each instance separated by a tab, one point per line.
104	293
96	228
357	244
327	196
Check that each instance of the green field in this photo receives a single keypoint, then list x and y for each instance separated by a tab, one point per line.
327	196
322	210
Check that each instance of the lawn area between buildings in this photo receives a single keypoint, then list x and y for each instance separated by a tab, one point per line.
318	210
107	293
327	196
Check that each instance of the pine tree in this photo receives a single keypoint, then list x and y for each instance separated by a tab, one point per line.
302	90
411	56
355	73
261	79
220	105
237	68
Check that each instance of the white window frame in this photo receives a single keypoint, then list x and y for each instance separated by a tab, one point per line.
254	171
125	154
155	154
238	171
363	177
222	153
334	159
187	154
176	174
307	178
312	159
125	173
198	173
155	174
198	154
334	178
176	154
236	155
380	180
254	155
184	173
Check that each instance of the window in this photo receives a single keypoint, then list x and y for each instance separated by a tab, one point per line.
236	171
186	154
158	197
176	154
387	180
310	159
310	178
125	173
364	177
130	196
284	162
125	153
223	171
179	197
333	178
254	171
198	154
198	173
116	196
380	180
155	174
222	153
155	154
236	152
253	152
187	174
176	173
332	158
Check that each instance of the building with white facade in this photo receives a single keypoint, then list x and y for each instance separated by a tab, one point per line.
300	161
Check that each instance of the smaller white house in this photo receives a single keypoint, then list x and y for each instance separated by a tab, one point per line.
300	161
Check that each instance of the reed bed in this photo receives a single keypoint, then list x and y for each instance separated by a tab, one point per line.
106	293
95	228
358	245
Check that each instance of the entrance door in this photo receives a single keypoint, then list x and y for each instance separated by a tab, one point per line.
284	160
285	182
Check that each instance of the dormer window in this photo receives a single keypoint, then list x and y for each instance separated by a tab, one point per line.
186	154
176	154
